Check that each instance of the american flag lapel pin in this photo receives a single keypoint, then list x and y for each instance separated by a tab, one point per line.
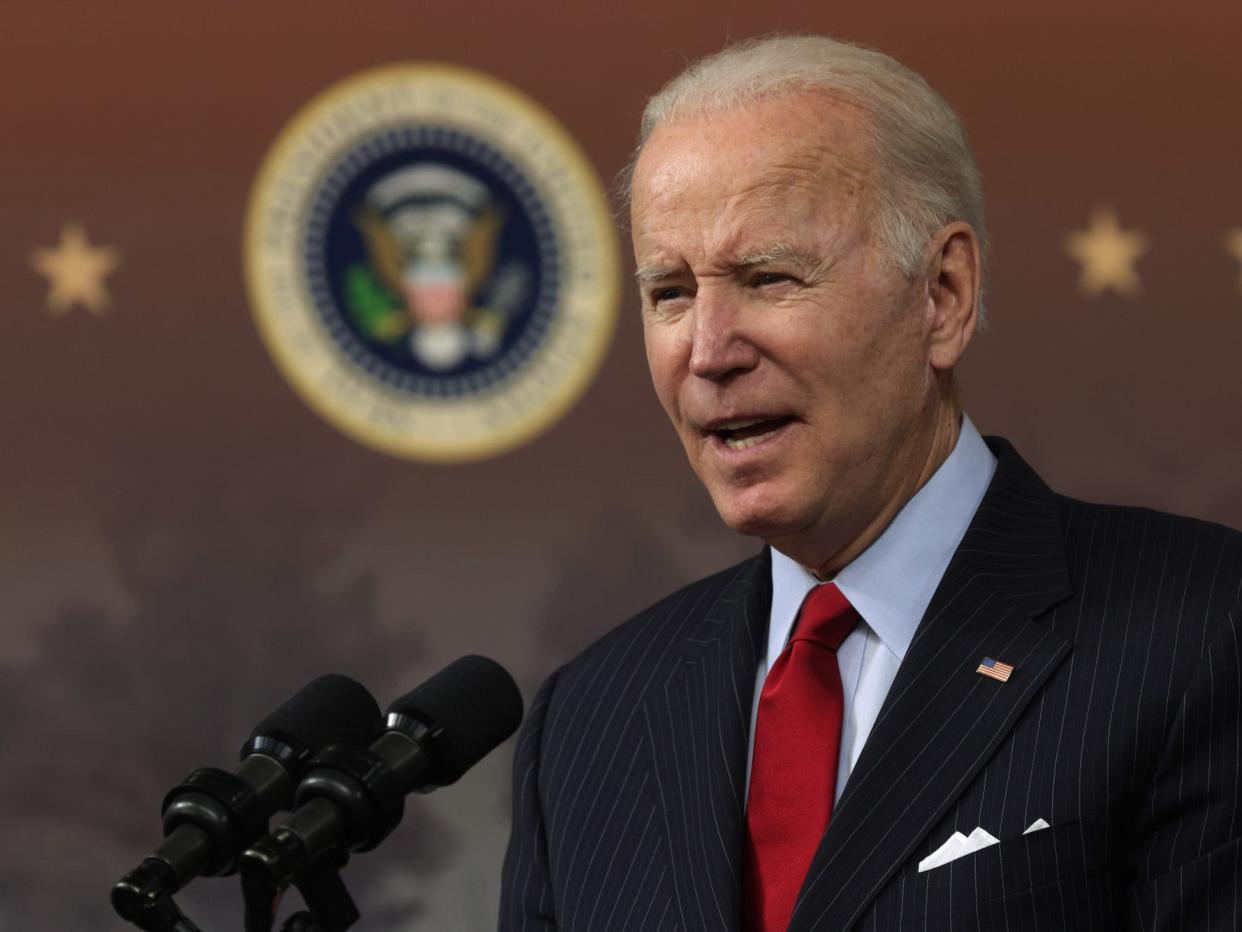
995	669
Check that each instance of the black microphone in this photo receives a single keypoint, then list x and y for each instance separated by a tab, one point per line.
213	814
353	797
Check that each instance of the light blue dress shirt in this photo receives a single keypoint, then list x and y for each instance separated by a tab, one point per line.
890	584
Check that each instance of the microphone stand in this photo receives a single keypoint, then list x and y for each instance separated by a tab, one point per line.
330	908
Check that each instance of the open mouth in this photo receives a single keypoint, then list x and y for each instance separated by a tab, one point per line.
739	435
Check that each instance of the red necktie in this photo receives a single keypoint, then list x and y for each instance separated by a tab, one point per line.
793	774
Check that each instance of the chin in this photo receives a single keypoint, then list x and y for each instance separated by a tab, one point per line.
766	520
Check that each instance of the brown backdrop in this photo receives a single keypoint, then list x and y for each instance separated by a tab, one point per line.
184	542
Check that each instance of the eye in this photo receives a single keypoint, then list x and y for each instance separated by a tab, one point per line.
760	279
667	293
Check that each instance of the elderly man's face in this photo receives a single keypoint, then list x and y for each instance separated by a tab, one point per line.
788	350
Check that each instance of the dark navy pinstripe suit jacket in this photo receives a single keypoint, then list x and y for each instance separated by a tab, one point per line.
1120	727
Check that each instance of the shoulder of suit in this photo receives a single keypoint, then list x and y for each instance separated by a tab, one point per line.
1177	542
1180	576
629	657
1150	540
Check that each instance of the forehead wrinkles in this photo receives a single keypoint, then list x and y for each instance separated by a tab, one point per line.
811	201
814	177
719	177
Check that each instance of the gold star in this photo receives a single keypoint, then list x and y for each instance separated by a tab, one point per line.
1233	245
75	270
1106	254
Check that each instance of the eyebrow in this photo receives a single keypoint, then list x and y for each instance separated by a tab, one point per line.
647	274
775	253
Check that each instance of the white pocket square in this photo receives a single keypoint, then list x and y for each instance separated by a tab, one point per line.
960	845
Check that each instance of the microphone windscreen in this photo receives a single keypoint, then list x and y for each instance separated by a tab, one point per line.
328	709
470	706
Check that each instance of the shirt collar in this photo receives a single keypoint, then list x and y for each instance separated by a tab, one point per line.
891	583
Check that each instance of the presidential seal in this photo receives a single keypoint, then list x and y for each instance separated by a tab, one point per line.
431	262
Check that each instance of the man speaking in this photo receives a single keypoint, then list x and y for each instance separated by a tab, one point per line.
942	696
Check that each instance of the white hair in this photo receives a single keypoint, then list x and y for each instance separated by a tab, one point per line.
928	176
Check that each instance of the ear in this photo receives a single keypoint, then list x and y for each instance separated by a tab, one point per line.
954	282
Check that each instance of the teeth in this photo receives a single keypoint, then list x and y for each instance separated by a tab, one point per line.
728	431
743	444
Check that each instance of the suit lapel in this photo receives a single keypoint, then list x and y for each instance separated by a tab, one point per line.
697	723
941	720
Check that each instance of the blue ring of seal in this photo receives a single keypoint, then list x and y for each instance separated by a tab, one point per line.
332	242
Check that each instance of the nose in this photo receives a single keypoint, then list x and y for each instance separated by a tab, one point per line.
719	345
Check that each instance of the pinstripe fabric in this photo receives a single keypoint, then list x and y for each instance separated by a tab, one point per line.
1120	727
629	770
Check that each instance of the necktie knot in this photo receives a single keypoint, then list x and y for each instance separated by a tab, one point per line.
826	617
